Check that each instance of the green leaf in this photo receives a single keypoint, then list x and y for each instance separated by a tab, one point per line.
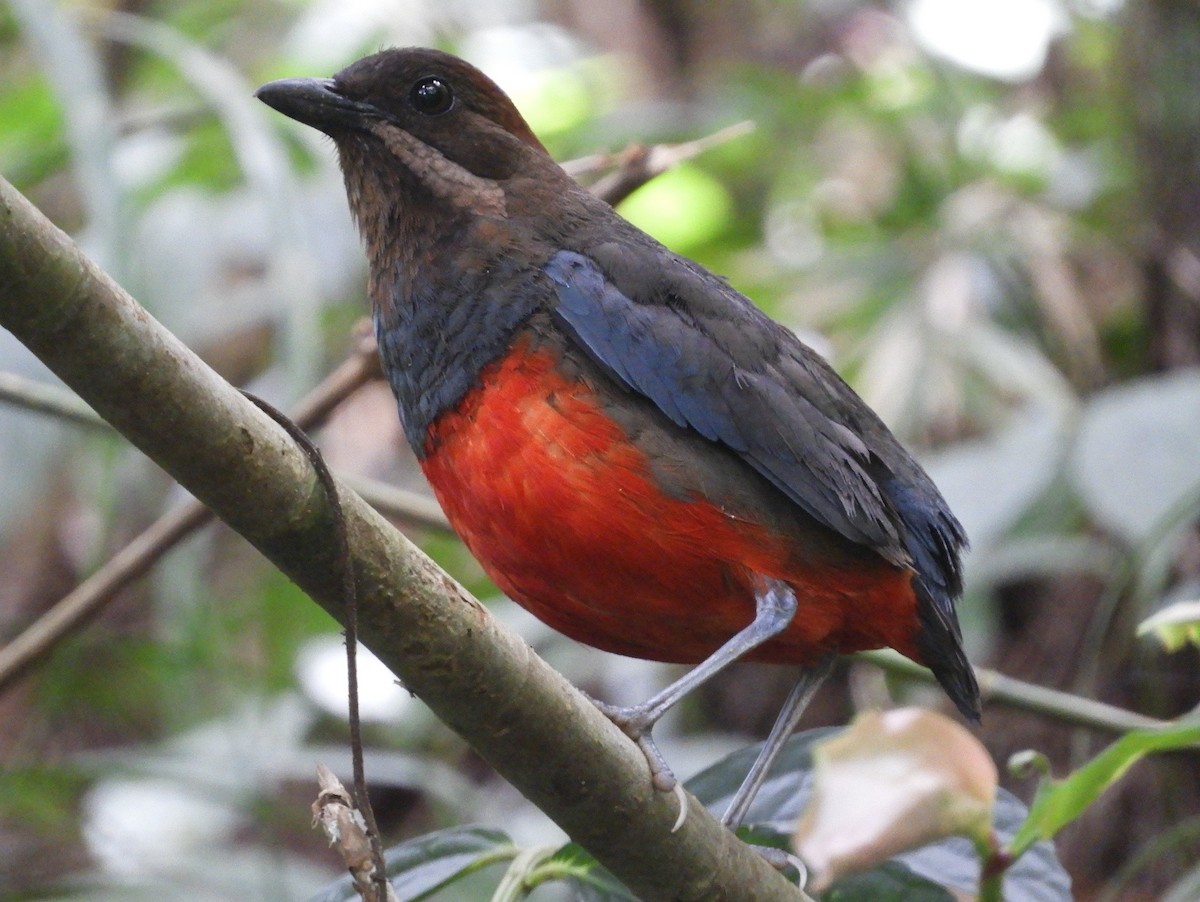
428	863
1058	802
1174	626
31	143
952	863
1021	459
526	872
589	880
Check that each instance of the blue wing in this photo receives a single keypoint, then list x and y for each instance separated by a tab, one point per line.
712	362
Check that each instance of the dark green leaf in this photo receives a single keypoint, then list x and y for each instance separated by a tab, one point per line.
590	881
423	865
779	802
890	882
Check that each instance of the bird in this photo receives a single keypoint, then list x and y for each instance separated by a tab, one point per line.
630	447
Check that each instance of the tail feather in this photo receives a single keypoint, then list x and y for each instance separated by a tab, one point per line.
935	541
939	641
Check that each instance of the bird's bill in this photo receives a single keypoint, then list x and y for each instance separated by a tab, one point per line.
315	102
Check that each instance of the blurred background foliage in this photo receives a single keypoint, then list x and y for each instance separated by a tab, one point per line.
985	213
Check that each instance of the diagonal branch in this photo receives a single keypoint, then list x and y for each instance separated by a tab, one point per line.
523	717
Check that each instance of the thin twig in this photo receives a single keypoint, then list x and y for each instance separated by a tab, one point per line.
47	398
637	164
396	503
86	599
136	558
393	502
1062	706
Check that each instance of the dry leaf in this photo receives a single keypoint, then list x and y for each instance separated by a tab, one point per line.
894	781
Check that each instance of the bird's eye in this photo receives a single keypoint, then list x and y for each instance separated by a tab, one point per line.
431	96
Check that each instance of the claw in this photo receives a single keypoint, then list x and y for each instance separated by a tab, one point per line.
777	858
681	795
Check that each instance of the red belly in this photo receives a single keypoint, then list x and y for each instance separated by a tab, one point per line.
562	511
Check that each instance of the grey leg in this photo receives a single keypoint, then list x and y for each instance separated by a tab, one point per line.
785	724
775	606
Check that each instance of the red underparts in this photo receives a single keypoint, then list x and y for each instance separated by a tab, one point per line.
563	512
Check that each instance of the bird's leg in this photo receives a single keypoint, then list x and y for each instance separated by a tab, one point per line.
785	724
775	606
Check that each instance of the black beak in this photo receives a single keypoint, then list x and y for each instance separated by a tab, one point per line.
315	102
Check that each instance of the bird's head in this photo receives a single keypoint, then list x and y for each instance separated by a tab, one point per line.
416	127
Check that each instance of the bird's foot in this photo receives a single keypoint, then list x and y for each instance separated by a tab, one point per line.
635	724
